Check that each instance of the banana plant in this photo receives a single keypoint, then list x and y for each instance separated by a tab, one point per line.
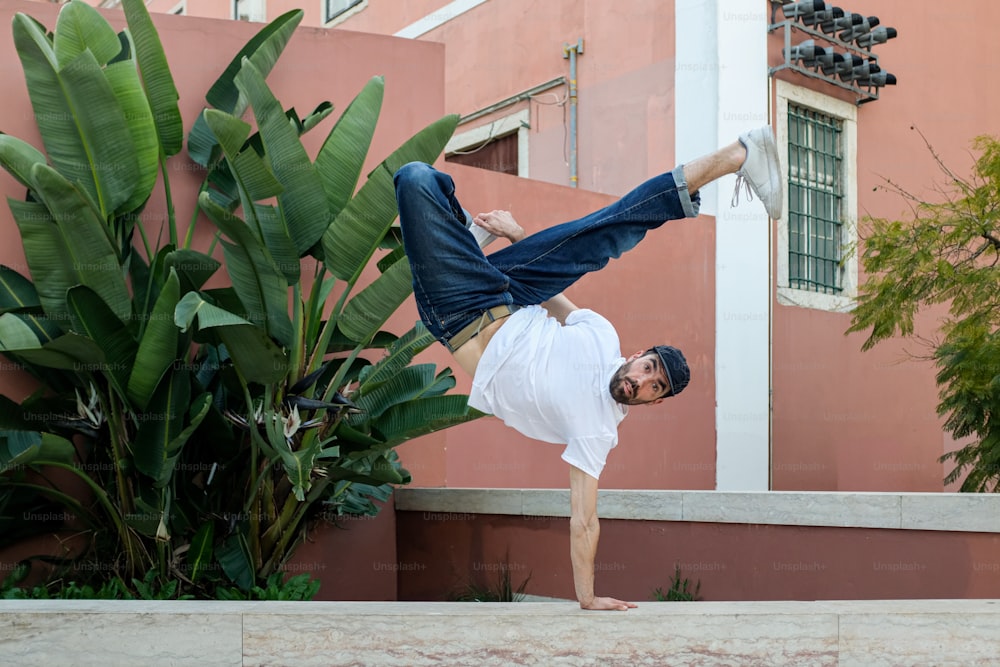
208	424
284	216
95	321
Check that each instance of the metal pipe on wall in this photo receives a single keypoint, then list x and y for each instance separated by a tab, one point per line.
571	51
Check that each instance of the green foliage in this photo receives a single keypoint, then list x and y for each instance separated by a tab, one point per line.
502	589
947	253
152	587
210	425
299	587
679	589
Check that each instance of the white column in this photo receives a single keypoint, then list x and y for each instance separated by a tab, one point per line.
742	272
696	87
720	92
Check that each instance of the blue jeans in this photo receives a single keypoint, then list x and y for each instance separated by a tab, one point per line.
454	282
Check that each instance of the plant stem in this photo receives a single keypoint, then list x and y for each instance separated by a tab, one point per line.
171	216
189	237
298	336
324	339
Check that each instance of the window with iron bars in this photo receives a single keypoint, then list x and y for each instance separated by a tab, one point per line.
815	200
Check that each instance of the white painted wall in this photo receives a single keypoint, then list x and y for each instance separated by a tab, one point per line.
721	92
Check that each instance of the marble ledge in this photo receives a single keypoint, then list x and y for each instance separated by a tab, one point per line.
961	512
249	634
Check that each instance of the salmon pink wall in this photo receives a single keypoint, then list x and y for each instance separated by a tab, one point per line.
625	75
445	551
848	420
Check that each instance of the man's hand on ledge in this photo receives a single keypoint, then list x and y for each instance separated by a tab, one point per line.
608	604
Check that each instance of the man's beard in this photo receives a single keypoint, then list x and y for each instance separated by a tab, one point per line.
616	386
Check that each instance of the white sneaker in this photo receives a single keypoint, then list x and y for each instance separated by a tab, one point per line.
761	172
483	237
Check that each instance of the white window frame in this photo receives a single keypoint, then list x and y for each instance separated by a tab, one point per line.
516	122
342	16
848	114
256	10
180	9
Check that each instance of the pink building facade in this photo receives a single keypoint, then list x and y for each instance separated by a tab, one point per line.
780	397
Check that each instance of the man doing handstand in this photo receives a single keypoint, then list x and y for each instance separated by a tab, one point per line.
551	370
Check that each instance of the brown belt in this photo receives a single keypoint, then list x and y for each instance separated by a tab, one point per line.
468	333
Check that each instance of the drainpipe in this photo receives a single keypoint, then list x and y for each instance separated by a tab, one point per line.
571	51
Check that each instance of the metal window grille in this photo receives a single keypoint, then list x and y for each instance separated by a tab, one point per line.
815	200
335	8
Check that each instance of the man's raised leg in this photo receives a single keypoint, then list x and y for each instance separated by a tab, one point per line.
452	281
546	263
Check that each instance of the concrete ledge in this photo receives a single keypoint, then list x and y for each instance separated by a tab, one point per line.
373	634
962	512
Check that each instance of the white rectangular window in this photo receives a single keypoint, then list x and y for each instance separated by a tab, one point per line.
817	235
250	10
341	9
501	145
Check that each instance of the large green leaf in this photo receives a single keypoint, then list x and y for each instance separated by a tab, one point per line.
161	424
263	50
48	257
124	80
255	356
158	345
278	243
424	415
21	448
369	310
92	317
255	182
70	351
252	175
199	556
193	268
159	83
355	233
18	295
407	384
18	157
256	279
81	27
303	201
413	342
235	559
343	154
80	119
159	460
16	335
94	259
16	292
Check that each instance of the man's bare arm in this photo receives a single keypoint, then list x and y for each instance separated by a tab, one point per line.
559	307
584	532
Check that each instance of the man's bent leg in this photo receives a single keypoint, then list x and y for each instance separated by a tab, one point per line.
452	281
544	264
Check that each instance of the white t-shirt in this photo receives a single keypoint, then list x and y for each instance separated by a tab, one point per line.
550	382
